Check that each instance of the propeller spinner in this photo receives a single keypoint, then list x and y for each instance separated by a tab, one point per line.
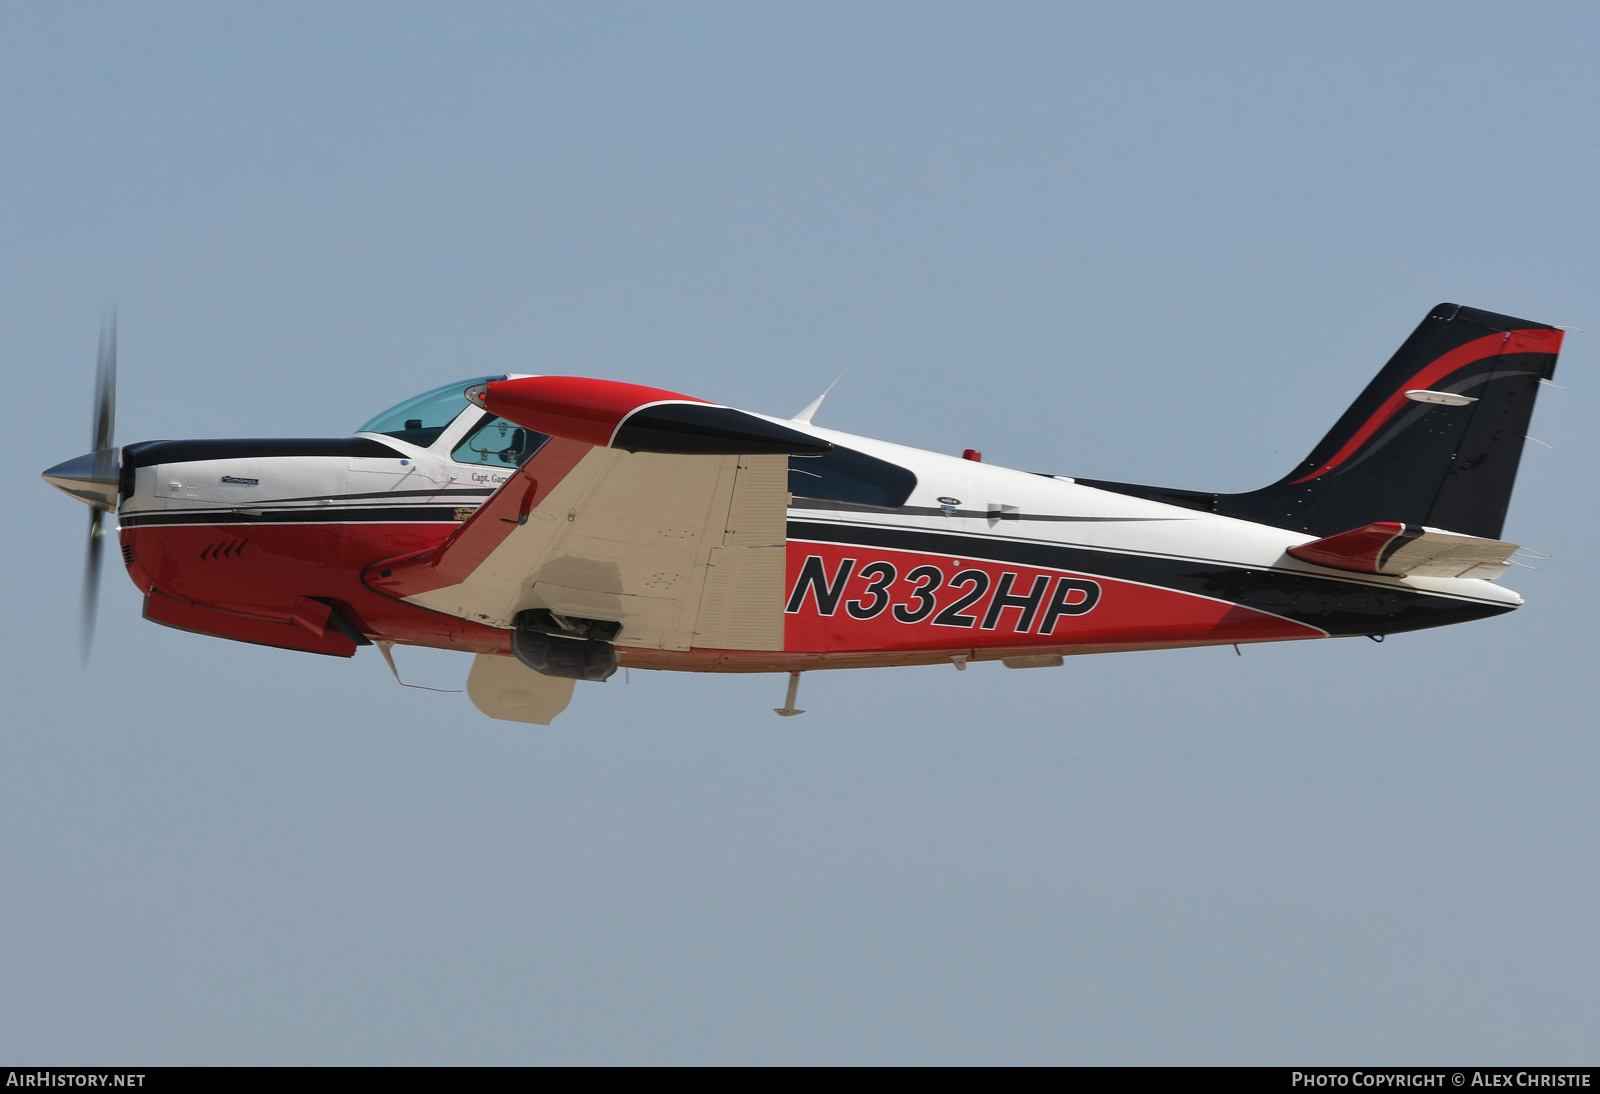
92	478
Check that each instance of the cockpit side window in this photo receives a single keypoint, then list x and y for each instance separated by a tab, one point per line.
847	475
496	442
421	420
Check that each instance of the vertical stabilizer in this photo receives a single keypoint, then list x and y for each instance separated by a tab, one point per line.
1433	441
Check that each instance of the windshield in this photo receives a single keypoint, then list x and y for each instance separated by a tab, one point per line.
419	421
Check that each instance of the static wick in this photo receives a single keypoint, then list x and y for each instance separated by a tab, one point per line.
1536	440
1259	464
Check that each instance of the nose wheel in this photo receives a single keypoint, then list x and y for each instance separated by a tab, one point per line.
789	710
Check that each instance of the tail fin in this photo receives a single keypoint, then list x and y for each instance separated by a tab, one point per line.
1434	440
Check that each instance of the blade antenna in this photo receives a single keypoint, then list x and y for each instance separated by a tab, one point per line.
811	408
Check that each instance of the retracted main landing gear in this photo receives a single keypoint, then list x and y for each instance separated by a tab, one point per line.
565	646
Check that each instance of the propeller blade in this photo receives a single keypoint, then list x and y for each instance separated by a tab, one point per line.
91	581
105	467
105	387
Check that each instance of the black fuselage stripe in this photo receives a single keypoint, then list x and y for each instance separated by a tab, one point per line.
1338	607
828	505
372	514
473	492
153	453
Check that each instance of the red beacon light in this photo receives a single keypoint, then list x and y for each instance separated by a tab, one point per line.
972	454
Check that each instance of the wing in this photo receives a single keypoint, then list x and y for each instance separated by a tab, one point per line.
664	514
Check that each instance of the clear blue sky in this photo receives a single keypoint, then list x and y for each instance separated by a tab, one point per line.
1155	242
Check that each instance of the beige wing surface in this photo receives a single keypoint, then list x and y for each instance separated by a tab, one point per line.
681	550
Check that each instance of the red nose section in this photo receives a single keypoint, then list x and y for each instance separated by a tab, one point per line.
607	413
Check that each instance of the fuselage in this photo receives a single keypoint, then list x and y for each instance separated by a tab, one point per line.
970	562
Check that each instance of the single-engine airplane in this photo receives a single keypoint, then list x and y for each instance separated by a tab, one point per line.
559	527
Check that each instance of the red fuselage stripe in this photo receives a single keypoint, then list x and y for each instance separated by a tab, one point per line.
1490	345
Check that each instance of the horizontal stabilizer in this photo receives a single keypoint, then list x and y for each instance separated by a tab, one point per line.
1409	550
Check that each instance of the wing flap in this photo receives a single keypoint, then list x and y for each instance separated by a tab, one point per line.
741	607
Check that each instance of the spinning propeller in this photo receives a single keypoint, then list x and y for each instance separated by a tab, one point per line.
92	478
